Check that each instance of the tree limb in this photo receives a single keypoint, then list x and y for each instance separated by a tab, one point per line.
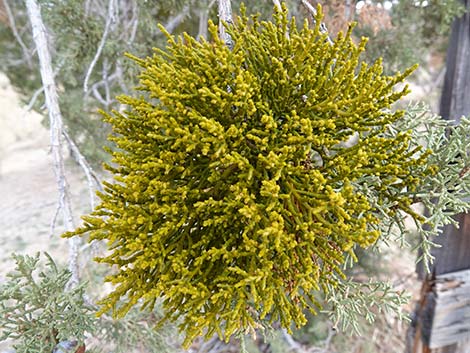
11	19
225	17
107	90
33	99
293	344
174	22
134	23
277	3
109	20
203	16
56	130
40	90
313	12
91	176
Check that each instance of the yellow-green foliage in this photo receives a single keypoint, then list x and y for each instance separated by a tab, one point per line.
236	176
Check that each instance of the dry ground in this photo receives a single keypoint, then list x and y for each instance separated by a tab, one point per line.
28	192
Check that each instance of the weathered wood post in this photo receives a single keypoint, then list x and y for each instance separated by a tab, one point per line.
442	321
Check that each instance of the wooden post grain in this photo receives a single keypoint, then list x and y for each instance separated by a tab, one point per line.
442	318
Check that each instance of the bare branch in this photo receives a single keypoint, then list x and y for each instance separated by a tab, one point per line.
134	30
277	3
309	7
56	128
92	178
109	20
107	90
203	17
313	12
40	90
174	22
11	19
33	99
329	338
215	345
54	220
97	94
293	344
225	17
120	77
134	23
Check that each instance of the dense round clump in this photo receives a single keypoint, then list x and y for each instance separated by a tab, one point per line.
244	176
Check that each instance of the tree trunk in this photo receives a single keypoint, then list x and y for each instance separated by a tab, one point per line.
455	100
439	325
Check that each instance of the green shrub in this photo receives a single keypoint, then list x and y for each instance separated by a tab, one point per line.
243	177
36	310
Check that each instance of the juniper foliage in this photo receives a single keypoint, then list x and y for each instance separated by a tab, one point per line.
36	310
244	178
38	314
443	194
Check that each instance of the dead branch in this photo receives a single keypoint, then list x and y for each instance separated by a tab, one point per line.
296	347
33	99
134	23
203	17
56	128
105	75
174	22
120	78
109	20
98	95
11	19
293	344
313	13
225	18
93	180
40	90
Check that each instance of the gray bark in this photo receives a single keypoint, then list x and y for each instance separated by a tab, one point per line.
11	18
56	127
225	17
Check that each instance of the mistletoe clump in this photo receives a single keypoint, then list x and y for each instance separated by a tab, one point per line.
244	176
